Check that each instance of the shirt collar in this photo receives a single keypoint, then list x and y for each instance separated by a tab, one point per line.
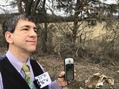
15	61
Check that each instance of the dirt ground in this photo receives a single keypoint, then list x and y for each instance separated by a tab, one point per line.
84	69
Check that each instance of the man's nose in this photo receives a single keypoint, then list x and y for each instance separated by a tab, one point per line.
33	33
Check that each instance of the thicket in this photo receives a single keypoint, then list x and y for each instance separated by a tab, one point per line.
103	48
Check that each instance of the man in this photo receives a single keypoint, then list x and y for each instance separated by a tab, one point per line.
20	34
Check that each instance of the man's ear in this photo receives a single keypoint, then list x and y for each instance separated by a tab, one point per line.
8	37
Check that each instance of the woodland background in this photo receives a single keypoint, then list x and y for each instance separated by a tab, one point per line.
88	31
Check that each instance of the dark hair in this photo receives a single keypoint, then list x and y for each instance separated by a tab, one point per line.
10	23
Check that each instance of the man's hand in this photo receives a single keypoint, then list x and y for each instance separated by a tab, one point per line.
60	81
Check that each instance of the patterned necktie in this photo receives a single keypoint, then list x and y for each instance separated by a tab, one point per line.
28	79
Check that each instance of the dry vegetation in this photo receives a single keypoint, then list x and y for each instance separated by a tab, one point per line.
89	59
84	68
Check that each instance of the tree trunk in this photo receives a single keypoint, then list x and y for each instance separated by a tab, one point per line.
19	5
75	28
44	39
28	6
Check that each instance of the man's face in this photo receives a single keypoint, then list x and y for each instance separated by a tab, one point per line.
24	37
